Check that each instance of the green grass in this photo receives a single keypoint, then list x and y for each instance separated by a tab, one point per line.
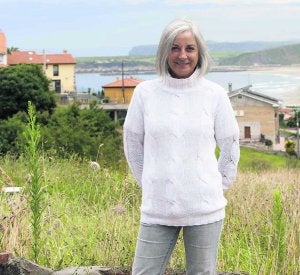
92	216
253	160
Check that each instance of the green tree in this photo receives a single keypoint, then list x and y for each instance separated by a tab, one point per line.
12	49
20	84
88	133
11	135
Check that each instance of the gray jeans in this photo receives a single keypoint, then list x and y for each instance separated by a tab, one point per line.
156	242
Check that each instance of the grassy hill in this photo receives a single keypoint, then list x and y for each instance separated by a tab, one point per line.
286	55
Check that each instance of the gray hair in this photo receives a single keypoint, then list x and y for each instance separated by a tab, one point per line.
167	38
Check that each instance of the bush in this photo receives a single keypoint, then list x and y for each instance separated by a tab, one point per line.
268	142
290	147
10	135
88	133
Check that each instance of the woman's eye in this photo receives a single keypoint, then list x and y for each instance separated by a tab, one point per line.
175	48
190	49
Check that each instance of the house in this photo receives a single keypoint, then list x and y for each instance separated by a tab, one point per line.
59	68
121	90
3	49
287	113
256	114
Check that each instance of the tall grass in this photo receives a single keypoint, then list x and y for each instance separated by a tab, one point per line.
92	218
34	190
279	225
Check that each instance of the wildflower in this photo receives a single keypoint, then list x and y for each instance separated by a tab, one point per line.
94	165
27	178
57	224
119	209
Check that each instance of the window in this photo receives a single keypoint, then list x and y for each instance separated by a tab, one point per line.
239	112
56	86
55	70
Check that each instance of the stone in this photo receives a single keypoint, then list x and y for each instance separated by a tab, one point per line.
20	266
5	257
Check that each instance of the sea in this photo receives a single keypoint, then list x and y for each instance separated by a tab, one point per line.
282	86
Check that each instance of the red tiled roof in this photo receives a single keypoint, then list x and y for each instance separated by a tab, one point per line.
2	42
286	110
128	82
30	57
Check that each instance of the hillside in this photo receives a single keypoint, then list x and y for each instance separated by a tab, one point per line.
214	46
144	64
285	55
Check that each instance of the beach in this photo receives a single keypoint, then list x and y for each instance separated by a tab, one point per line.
292	97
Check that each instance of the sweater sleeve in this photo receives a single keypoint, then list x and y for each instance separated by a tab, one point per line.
133	137
227	137
133	148
228	159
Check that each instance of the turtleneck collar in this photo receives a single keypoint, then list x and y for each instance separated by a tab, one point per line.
181	83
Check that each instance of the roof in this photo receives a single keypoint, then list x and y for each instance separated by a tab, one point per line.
31	57
2	42
128	82
286	110
246	91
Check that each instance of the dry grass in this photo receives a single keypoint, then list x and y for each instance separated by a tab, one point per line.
250	230
92	218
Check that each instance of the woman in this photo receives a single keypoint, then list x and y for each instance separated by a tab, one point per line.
170	133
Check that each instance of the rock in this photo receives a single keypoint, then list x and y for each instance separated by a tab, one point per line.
92	270
5	257
19	266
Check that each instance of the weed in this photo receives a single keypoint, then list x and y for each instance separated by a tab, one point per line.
279	227
34	189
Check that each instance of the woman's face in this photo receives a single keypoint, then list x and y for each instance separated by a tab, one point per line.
183	56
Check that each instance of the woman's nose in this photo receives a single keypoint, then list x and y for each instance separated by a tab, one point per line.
182	53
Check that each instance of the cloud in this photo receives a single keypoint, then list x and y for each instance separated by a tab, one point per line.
136	2
231	2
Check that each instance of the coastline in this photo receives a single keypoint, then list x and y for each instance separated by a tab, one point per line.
289	95
288	69
292	98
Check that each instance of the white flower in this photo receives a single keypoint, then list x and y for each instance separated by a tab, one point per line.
94	165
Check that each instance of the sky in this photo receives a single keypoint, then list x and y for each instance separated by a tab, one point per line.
113	27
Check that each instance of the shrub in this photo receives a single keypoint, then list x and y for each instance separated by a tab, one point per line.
10	135
262	138
74	131
268	142
290	147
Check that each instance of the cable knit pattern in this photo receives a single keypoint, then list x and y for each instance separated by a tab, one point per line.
170	135
228	159
133	148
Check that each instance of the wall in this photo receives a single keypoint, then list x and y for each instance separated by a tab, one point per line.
66	76
115	94
260	116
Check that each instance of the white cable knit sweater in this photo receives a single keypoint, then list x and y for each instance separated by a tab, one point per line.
170	135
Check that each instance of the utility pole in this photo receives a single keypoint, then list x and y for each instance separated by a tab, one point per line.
123	89
44	60
297	124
